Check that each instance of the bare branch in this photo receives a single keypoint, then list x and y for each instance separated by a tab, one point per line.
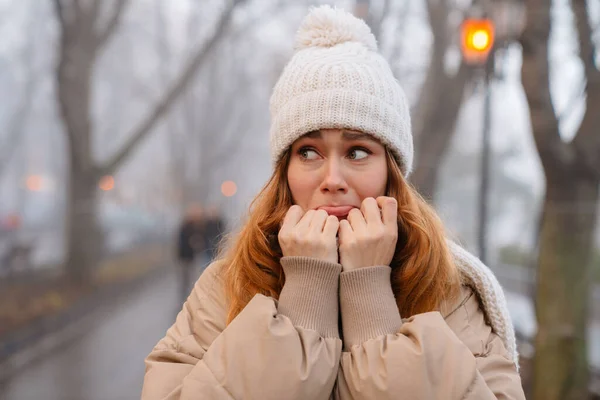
8	148
105	34
164	104
377	23
440	103
18	119
95	9
438	12
232	140
374	20
386	8
586	44
60	14
400	29
409	73
536	82
436	69
253	22
77	7
587	141
363	10
573	101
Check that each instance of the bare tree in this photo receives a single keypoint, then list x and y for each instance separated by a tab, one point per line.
439	103
569	212
226	117
364	10
176	133
15	129
206	130
85	29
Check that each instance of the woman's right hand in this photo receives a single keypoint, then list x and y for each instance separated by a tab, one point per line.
311	234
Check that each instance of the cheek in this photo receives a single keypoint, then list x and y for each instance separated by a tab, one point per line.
302	186
371	183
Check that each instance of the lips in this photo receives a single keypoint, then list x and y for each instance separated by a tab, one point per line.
337	211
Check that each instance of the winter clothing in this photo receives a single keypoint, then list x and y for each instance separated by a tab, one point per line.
190	245
337	79
296	347
191	240
293	348
214	229
475	274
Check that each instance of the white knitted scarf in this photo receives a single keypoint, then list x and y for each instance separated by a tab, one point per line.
480	278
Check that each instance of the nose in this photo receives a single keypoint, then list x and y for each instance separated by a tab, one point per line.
334	180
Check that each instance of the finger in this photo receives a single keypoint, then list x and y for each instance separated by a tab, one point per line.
345	231
292	217
356	220
332	225
389	210
304	223
370	211
318	221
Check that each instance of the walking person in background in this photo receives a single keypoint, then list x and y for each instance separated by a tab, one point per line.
190	245
215	228
337	234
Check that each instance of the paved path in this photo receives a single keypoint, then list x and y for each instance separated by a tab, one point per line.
107	362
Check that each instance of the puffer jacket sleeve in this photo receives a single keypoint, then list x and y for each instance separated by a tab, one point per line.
422	357
272	350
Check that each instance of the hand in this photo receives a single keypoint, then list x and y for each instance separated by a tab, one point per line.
368	237
311	234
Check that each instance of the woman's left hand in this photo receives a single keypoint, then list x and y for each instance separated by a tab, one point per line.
368	237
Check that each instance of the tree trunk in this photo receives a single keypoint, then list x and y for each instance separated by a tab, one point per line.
82	39
74	77
437	127
85	239
569	214
563	285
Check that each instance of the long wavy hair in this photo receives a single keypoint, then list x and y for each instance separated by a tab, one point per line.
423	272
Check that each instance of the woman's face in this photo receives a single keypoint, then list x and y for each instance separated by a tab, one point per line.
335	170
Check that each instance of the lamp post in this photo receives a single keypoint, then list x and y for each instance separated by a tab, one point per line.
477	42
480	37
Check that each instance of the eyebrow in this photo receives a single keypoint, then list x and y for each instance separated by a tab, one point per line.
346	135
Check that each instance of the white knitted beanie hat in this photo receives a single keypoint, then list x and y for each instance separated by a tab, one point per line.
338	80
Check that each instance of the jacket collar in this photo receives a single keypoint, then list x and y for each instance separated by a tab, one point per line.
484	283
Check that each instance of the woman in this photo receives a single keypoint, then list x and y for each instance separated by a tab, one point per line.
341	284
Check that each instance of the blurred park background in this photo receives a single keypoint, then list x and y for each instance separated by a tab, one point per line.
116	116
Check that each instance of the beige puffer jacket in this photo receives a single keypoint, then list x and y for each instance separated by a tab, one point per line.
293	348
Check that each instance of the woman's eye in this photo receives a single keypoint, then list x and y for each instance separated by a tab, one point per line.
357	154
307	153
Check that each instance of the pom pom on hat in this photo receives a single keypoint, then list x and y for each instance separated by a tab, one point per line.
327	27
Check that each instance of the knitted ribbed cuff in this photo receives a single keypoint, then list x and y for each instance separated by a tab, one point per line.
368	305
309	297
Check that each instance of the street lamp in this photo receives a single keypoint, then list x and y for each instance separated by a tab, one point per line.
477	42
480	37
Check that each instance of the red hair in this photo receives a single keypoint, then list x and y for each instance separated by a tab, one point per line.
423	272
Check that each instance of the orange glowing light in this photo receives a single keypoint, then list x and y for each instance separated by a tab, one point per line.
477	40
35	183
107	183
228	188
